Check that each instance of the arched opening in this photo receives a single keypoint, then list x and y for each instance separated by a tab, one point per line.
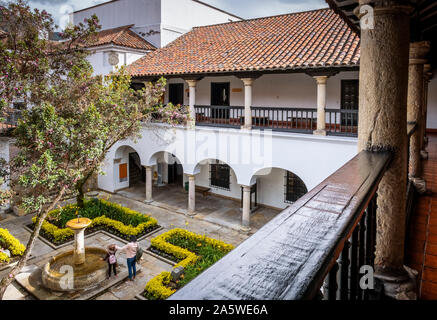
128	171
278	187
168	170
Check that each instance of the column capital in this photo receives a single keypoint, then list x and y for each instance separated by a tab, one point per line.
191	176
321	79
418	52
192	83
248	81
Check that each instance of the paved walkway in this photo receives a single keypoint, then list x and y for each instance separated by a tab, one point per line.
422	242
151	266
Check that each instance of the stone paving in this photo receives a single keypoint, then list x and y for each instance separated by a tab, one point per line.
150	265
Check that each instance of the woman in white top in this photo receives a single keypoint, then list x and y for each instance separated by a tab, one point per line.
131	255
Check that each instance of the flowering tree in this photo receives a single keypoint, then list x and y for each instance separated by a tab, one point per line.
74	118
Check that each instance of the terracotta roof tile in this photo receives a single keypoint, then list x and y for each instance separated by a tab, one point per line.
318	38
121	36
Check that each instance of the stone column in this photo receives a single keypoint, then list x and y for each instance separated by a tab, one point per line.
383	126
192	87
248	83
418	51
149	176
79	247
426	78
191	195
321	105
246	209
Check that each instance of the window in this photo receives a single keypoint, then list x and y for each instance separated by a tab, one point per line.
349	101
294	187
220	176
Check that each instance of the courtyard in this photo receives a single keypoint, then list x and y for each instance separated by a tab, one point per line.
30	287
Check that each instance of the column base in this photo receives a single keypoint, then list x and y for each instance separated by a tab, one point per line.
148	201
319	133
245	229
191	214
399	285
246	127
419	184
424	154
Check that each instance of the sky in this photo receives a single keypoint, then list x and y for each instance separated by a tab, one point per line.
243	8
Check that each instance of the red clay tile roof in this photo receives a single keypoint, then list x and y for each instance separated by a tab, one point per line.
121	36
312	39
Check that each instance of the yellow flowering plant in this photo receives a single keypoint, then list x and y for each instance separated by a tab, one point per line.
15	247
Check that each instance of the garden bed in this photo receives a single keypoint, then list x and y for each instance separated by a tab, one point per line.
194	252
15	247
110	217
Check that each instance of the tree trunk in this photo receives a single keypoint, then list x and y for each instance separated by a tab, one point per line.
22	262
79	188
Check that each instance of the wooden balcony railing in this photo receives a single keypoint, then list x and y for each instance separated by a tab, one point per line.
342	122
299	120
10	121
220	116
312	249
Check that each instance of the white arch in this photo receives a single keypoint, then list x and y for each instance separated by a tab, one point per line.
301	174
161	155
126	145
196	169
266	171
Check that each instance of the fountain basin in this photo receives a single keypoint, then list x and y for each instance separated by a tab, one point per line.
63	275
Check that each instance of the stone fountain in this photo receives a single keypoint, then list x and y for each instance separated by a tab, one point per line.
78	269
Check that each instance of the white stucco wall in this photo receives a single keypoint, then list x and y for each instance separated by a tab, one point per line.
180	16
312	158
432	104
294	90
167	19
99	59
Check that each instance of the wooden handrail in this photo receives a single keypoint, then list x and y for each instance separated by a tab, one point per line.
290	256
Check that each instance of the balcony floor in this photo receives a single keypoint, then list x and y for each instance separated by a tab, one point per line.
422	242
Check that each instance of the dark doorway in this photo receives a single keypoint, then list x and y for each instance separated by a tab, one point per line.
136	171
219	99
175	174
176	93
349	101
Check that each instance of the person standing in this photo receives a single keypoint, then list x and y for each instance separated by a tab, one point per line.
111	259
131	254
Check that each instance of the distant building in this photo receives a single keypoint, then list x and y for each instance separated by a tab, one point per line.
157	22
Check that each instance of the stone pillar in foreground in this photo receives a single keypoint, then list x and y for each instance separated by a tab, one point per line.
248	84
246	209
426	78
192	84
383	126
149	176
321	105
418	52
191	195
